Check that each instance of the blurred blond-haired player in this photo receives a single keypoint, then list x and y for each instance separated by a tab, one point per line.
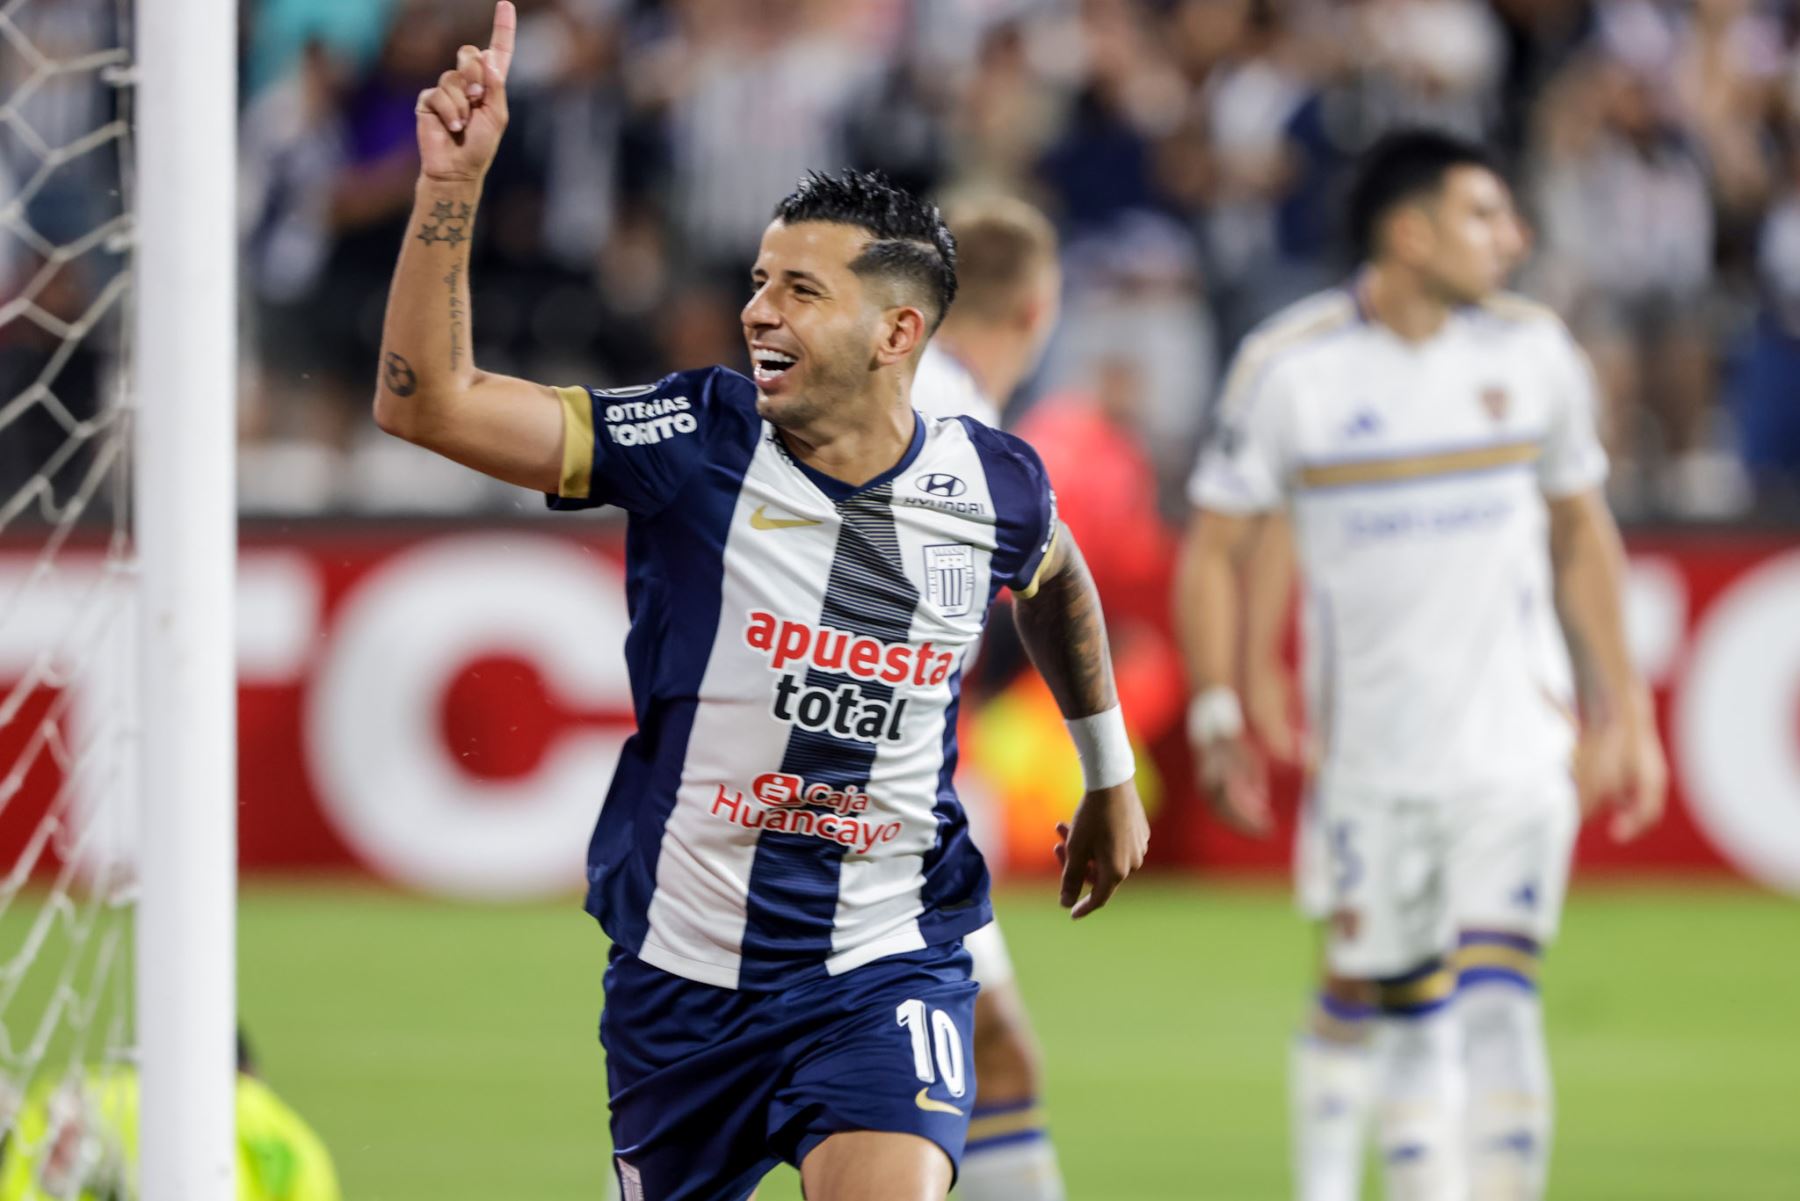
1009	289
1433	442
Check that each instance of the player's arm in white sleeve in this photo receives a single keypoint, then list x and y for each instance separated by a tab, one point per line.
1621	759
1239	481
429	390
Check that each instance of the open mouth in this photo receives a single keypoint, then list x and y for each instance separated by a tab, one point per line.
771	365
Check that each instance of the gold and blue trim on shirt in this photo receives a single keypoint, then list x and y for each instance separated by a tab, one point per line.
578	443
1419	992
1407	468
1513	307
1269	344
1492	956
1037	577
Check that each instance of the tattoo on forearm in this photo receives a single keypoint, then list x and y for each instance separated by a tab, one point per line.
458	311
399	375
448	223
1065	634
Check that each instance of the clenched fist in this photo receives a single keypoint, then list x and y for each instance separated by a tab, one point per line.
462	118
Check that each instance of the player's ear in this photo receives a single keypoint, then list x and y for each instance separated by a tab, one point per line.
1409	233
903	330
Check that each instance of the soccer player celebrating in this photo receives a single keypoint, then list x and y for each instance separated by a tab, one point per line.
1433	440
781	862
1009	288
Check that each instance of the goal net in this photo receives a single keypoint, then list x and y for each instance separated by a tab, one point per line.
68	712
81	632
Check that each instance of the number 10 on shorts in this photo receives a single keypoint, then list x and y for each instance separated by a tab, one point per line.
932	1031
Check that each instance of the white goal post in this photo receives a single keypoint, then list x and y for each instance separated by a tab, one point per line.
184	345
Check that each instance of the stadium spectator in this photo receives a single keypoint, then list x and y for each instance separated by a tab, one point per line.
1767	387
751	92
1645	137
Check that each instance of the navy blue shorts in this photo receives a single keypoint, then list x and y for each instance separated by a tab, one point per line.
712	1087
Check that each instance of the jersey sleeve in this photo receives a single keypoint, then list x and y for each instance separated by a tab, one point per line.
635	448
1243	465
1024	505
1573	460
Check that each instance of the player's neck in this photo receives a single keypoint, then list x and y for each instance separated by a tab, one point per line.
988	356
1396	298
856	442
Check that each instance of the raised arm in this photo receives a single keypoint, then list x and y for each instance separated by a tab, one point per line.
1621	759
428	389
1061	625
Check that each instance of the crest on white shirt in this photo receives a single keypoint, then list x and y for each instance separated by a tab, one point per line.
950	578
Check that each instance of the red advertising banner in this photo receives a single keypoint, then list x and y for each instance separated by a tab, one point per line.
442	707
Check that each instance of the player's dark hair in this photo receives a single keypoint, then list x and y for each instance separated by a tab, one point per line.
1401	168
912	246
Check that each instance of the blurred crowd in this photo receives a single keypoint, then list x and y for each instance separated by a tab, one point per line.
1192	153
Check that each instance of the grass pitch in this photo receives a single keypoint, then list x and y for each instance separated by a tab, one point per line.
449	1053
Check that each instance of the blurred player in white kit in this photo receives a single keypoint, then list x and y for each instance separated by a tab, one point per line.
1432	441
1009	290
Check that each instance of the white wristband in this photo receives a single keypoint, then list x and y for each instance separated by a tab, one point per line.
1105	749
1215	714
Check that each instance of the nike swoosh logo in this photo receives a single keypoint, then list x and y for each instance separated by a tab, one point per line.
762	521
930	1106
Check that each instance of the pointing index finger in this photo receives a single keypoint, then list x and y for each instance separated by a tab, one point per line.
500	43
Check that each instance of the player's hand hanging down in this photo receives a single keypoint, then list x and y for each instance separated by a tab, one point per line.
1061	624
1619	760
1621	766
462	118
1234	778
1104	843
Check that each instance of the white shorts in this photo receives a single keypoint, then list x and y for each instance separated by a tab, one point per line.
1312	866
993	965
1405	876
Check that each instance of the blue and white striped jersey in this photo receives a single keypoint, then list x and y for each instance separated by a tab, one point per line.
796	653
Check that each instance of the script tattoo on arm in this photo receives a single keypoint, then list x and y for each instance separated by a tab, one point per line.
398	375
458	311
1064	632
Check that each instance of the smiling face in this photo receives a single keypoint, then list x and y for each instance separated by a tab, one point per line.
817	331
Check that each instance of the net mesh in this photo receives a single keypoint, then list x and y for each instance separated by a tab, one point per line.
67	719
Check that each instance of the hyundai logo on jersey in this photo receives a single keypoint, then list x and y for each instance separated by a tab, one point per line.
939	484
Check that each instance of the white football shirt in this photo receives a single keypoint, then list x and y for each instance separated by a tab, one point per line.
1417	475
786	808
